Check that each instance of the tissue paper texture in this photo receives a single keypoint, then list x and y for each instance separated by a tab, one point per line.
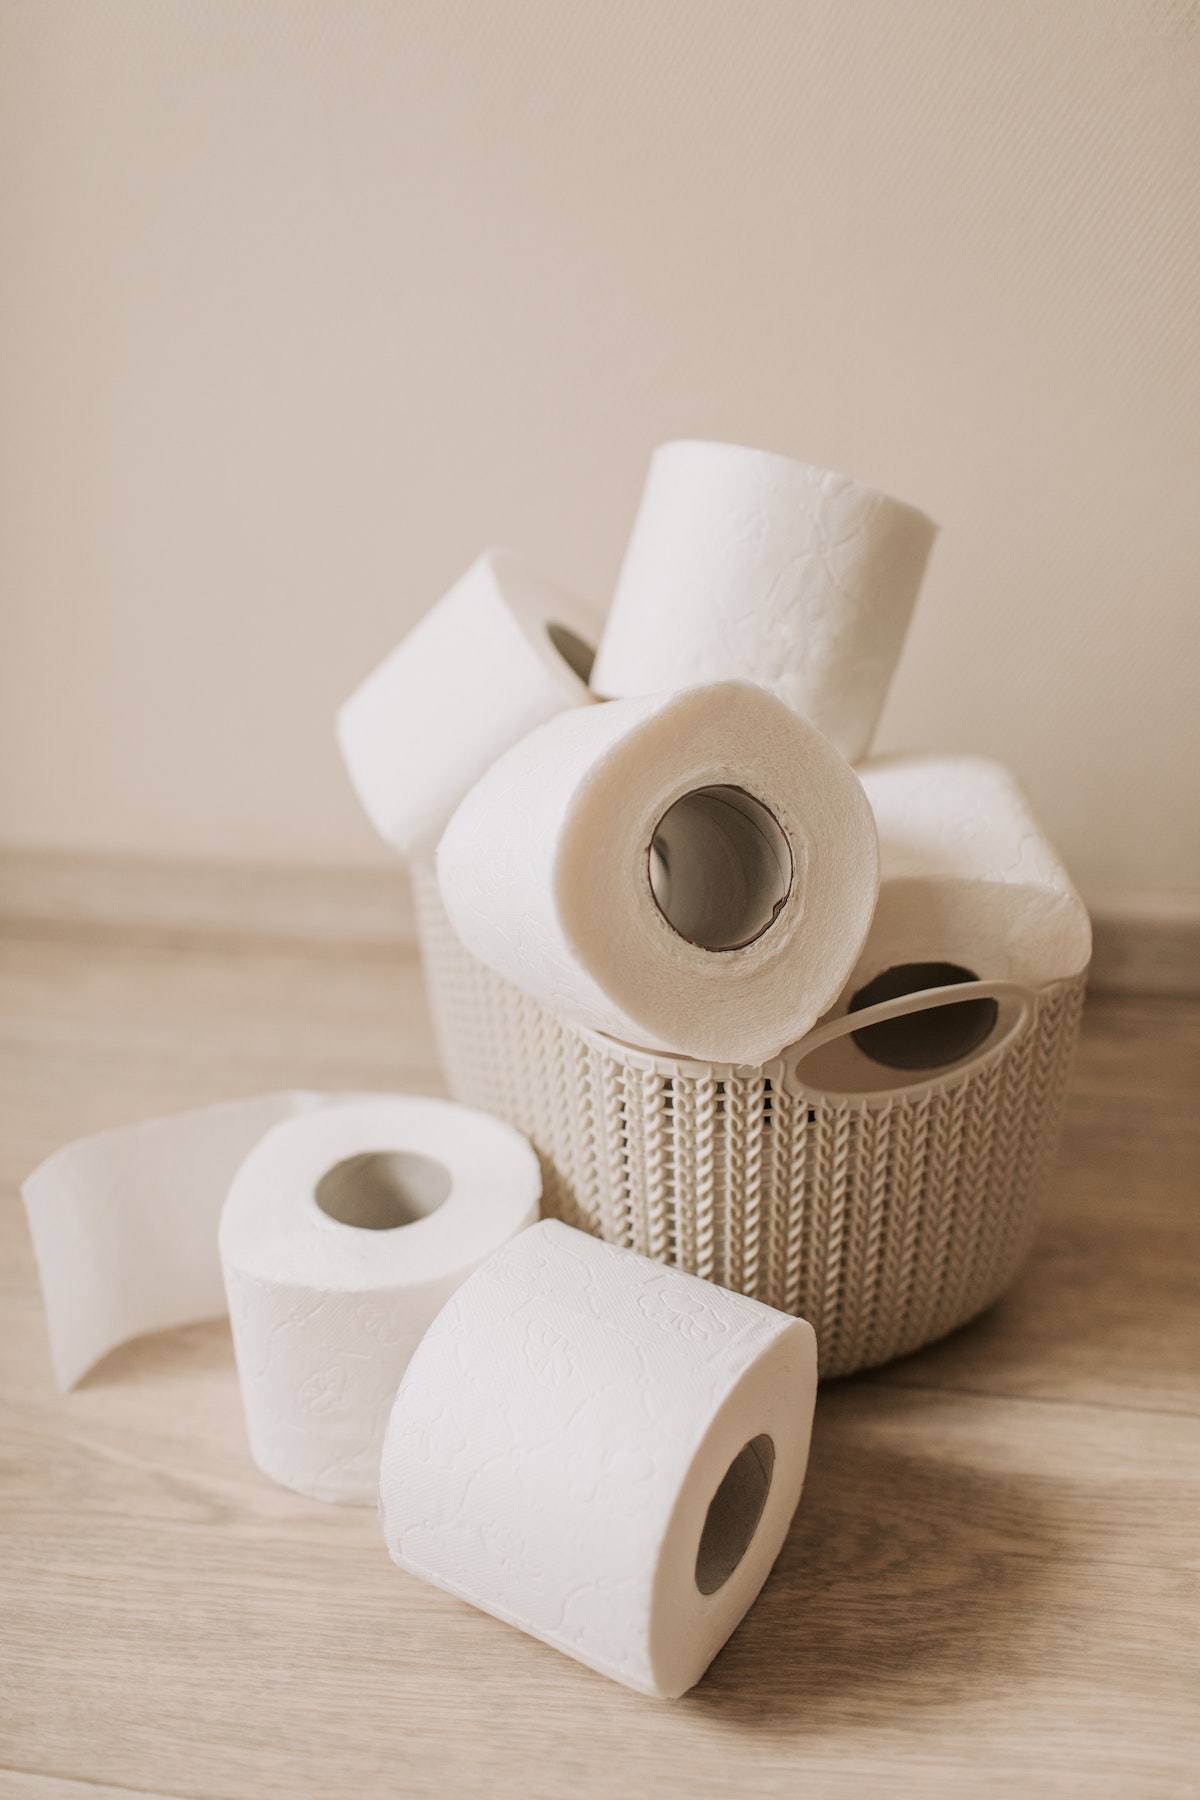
326	1314
124	1224
692	872
501	652
967	876
745	563
602	1451
131	1229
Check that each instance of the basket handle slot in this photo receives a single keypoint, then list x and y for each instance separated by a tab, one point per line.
922	1000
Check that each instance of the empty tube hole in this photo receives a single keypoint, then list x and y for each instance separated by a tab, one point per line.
720	868
923	1040
734	1512
577	655
381	1189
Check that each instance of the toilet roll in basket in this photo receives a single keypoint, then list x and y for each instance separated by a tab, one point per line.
602	1451
745	563
694	871
504	650
885	1209
967	875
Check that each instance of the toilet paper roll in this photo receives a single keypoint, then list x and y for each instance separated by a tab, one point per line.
501	652
745	563
602	1451
344	1234
124	1224
310	1197
970	888
968	875
692	872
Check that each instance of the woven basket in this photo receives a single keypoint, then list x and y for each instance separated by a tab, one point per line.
886	1212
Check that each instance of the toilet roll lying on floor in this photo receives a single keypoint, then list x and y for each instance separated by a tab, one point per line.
692	872
333	1227
602	1451
504	650
745	563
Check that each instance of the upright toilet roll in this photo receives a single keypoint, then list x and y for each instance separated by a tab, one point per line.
344	1234
692	872
745	563
501	652
602	1451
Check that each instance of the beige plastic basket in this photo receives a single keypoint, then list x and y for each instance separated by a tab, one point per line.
884	1210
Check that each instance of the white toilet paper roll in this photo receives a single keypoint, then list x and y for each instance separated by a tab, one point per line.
603	1451
124	1224
745	563
967	874
692	872
344	1234
344	1220
501	652
970	887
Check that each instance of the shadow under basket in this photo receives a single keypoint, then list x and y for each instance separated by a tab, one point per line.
883	1206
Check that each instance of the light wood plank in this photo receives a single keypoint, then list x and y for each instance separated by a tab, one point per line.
991	1586
130	899
970	1583
17	1786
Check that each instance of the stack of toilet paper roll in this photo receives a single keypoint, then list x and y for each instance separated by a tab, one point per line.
664	836
792	1018
704	864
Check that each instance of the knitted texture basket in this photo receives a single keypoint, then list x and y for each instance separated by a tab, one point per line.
884	1210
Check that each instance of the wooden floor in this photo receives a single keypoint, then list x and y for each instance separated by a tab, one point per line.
992	1585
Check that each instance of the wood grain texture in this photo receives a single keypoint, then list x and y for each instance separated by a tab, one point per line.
1144	942
14	1785
992	1585
143	900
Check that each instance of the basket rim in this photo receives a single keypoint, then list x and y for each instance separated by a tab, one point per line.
780	1069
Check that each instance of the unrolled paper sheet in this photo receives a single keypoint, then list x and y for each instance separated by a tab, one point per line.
124	1224
337	1225
745	563
692	872
603	1451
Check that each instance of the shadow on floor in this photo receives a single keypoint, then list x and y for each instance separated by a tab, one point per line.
905	1582
164	1356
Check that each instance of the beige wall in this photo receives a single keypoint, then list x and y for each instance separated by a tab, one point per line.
304	304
